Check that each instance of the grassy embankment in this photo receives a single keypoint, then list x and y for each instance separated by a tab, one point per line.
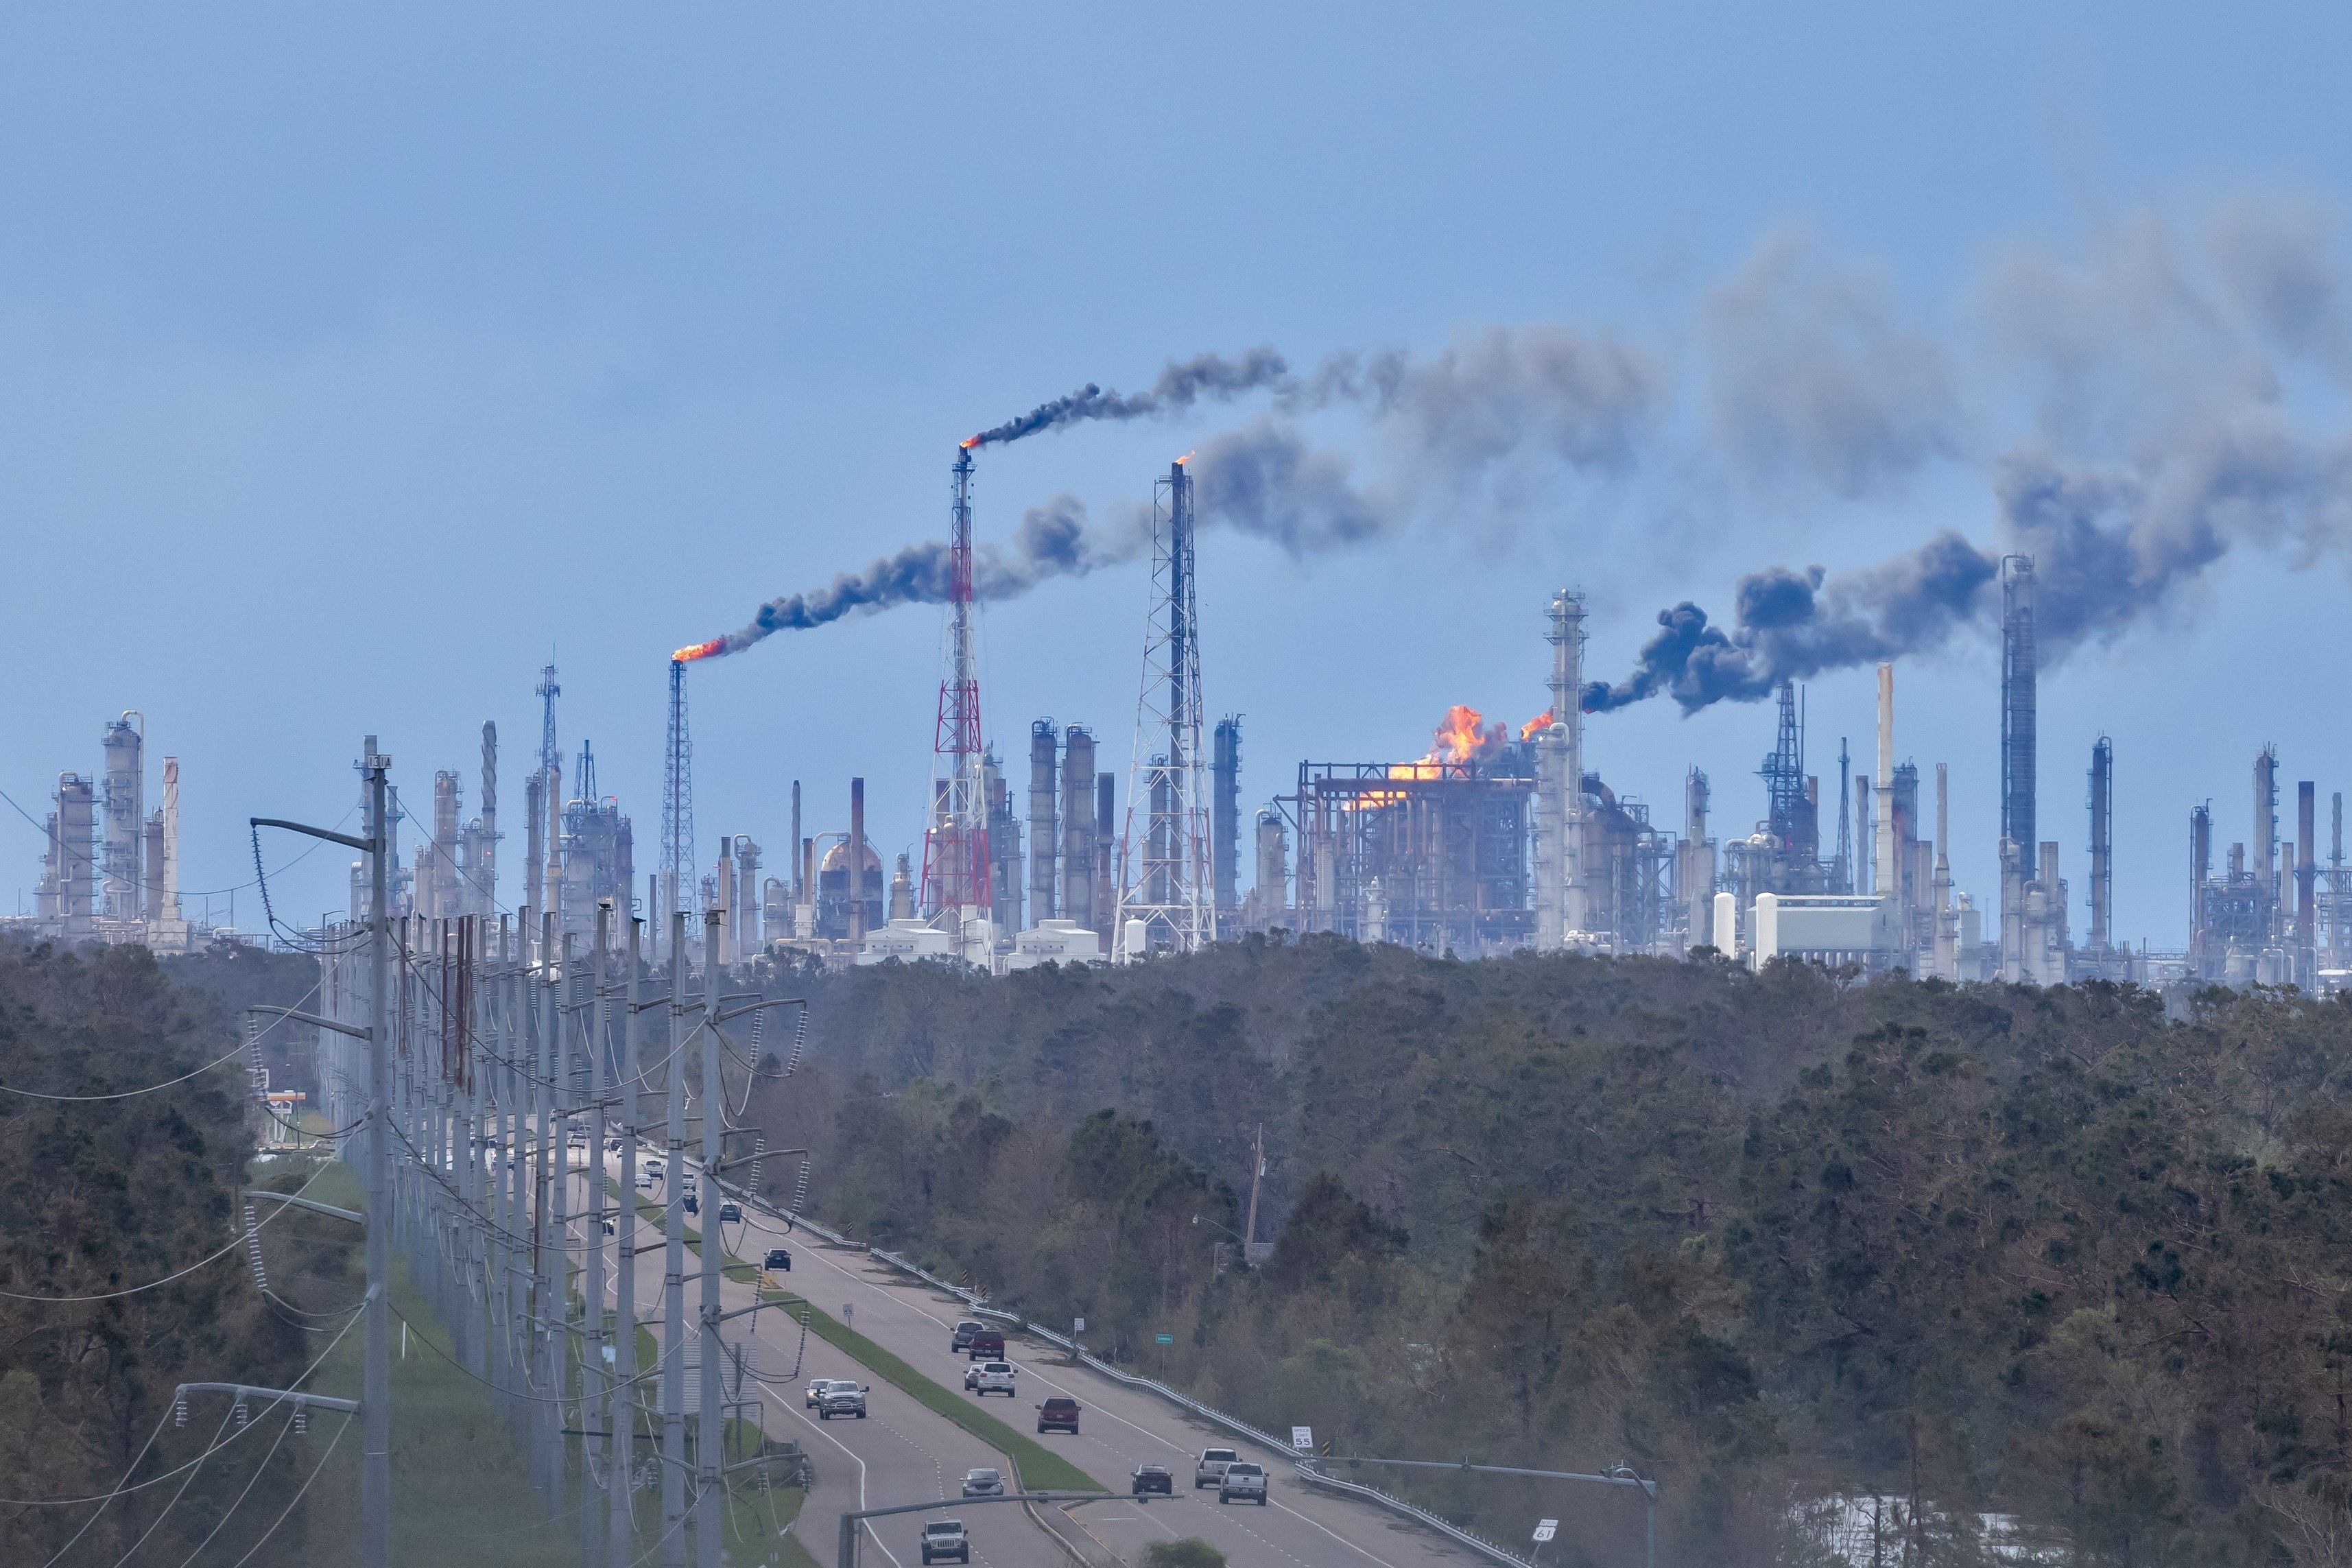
461	1488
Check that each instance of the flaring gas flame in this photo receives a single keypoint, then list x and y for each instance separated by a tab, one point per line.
693	651
1536	726
968	443
1466	737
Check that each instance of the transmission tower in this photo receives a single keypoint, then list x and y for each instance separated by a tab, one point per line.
677	806
1166	884
955	848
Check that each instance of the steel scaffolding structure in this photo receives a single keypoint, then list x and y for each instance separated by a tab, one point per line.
1165	881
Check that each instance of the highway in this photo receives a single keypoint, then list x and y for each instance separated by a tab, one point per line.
1121	1429
902	1452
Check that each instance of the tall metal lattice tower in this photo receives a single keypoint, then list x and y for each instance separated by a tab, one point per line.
2017	680
955	846
677	806
1165	881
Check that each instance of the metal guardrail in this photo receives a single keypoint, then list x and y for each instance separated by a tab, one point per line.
1306	1471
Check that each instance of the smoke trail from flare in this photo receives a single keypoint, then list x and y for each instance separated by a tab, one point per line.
1181	383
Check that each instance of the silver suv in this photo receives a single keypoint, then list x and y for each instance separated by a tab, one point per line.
1243	1481
842	1399
982	1483
1211	1466
944	1538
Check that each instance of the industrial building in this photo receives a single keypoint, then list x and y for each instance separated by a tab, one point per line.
110	866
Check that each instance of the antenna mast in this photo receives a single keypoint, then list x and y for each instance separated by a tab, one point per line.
1172	893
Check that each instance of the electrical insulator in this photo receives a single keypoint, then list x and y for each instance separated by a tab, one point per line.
179	1409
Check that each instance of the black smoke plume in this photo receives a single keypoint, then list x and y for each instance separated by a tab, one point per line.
1181	383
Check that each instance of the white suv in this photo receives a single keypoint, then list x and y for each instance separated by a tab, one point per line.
1212	1468
944	1538
988	1377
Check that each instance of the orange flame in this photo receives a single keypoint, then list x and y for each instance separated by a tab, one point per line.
968	443
1464	737
1536	726
1185	458
693	651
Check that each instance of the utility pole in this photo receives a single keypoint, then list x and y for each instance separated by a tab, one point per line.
711	1447
673	1395
1257	1169
621	1419
599	1013
375	1377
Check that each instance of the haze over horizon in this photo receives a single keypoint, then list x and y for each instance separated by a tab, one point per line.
354	363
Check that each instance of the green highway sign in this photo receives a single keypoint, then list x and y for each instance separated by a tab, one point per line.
1164	1339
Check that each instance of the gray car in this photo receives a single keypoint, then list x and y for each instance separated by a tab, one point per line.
1243	1482
842	1399
982	1483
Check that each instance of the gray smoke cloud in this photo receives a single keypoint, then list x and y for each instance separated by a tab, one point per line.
1808	370
2161	445
1485	402
1180	385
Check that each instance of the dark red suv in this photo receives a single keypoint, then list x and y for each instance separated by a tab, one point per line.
1059	1414
988	1344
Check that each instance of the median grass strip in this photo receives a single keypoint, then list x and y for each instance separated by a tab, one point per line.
1036	1466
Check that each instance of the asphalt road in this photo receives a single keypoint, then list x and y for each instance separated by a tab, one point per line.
903	1452
1119	1430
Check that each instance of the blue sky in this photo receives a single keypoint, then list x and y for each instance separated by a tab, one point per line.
348	361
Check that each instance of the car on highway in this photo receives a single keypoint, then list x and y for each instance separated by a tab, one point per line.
959	1338
1211	1469
817	1390
842	1399
986	1345
988	1377
982	1483
778	1261
647	1181
944	1538
1244	1482
1153	1479
730	1213
693	1204
1059	1414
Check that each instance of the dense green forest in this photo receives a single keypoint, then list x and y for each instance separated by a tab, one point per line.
100	1195
1987	1259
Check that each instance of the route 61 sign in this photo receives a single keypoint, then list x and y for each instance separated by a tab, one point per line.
1546	1530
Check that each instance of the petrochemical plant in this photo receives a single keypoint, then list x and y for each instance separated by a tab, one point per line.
1498	840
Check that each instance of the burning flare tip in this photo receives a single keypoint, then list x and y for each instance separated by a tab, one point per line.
693	651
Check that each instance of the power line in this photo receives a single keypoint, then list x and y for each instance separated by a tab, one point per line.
235	1242
297	1497
167	1083
221	1523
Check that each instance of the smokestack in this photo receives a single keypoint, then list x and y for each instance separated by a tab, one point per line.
1078	828
2306	880
534	857
126	815
2336	885
720	929
1886	878
857	859
747	896
2018	669
2201	871
151	875
2263	848
1696	873
799	855
1948	927
485	895
1044	825
1225	818
168	903
1865	835
1553	784
1272	892
2102	844
1105	832
1568	661
553	880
